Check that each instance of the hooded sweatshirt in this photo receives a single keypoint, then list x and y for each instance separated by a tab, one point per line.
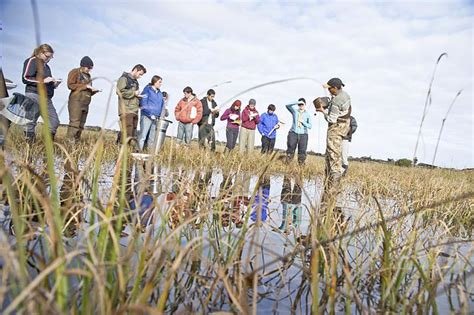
248	123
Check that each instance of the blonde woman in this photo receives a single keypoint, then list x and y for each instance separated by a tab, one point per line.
35	70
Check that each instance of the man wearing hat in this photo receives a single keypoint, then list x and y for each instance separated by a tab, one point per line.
337	114
80	83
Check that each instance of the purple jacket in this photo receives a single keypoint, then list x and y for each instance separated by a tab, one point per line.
231	123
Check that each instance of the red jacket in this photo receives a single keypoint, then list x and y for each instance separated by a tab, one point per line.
246	122
182	112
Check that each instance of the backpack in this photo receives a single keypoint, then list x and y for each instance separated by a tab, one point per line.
21	110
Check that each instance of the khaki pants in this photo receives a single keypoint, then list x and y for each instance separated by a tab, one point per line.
246	140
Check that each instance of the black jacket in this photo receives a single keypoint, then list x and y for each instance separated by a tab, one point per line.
30	73
206	111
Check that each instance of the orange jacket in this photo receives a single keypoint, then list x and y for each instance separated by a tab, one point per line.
182	112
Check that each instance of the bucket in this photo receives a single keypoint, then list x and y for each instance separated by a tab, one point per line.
161	127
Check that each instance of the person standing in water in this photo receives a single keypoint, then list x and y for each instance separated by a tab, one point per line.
337	114
80	83
232	115
267	127
128	92
151	106
298	134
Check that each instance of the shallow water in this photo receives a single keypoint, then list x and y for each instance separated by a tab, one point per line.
272	249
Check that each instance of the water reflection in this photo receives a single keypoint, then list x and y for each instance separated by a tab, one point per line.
71	199
273	268
291	205
262	198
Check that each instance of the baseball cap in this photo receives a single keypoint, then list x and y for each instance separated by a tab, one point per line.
334	82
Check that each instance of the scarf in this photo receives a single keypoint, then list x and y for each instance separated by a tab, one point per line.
300	118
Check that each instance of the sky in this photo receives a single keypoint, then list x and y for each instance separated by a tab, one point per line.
384	52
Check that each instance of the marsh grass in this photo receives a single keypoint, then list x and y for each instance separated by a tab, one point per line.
406	242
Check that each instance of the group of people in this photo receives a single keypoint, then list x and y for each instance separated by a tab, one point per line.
190	111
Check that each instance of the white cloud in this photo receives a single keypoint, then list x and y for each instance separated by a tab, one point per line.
384	52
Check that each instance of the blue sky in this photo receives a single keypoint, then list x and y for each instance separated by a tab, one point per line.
383	51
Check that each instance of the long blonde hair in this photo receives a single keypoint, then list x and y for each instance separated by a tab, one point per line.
43	48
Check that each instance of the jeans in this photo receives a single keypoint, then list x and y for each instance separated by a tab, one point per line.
52	115
294	140
267	144
231	136
185	132
147	131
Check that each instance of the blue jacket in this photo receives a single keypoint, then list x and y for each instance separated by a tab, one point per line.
152	103
266	124
306	124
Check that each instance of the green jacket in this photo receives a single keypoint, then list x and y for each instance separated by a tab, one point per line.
127	100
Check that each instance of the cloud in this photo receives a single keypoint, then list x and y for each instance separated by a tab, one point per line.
384	52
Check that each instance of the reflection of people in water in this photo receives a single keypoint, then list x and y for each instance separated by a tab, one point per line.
71	200
233	201
291	202
260	205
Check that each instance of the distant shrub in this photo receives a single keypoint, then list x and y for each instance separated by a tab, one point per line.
403	162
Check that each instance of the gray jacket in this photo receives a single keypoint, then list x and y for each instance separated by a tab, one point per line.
339	106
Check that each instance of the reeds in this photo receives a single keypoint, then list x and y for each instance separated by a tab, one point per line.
398	239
